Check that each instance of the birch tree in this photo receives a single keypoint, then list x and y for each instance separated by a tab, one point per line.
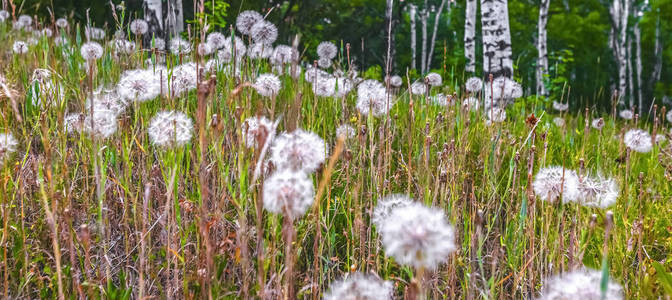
497	53
165	19
619	11
153	11
542	57
658	54
389	30
638	64
432	44
470	36
424	15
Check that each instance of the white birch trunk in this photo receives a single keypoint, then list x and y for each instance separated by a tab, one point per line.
153	11
389	22
631	85
174	18
497	53
619	11
542	58
469	36
658	54
424	14
436	28
413	12
638	65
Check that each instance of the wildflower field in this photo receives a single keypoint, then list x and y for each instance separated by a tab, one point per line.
224	164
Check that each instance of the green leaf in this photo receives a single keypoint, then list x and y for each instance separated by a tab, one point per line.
664	277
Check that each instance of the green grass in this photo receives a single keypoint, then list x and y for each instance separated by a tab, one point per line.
197	217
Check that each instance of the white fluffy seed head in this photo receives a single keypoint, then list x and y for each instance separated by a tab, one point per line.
418	88
395	81
170	129
299	151
558	121
343	86
20	47
122	46
264	32
246	20
260	51
638	140
433	79
598	192
495	114
357	286
372	98
283	54
139	85
560	106
289	193
94	33
256	126
204	49
102	124
669	116
581	284
327	50
324	87
61	23
91	51
267	85
598	123
179	46
470	104
626	114
7	146
553	182
386	205
139	27
324	63
184	79
216	40
474	85
4	15
417	236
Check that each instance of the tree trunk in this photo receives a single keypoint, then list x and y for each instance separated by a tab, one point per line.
638	65
389	30
658	54
436	28
153	11
413	12
497	53
542	58
470	36
631	85
424	14
619	11
174	18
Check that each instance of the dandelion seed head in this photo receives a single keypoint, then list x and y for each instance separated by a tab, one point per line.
638	140
626	114
324	87
395	81
660	139
267	85
170	129
417	236
4	15
581	284
327	50
43	87
25	21
471	104
20	47
179	46
298	150
106	100
474	85
8	146
669	116
138	85
439	99
184	78
288	192
246	20
216	40
204	49
264	32
346	131
61	23
560	106
385	206
598	123
324	63
139	26
496	114
357	286
560	122
418	88
552	182
94	33
343	86
101	124
122	46
283	54
598	192
433	79
260	51
159	43
254	126
47	32
313	74
373	98
91	51
72	123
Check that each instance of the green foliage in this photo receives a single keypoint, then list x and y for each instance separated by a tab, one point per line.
214	14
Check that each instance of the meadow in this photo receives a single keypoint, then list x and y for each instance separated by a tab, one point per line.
223	166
